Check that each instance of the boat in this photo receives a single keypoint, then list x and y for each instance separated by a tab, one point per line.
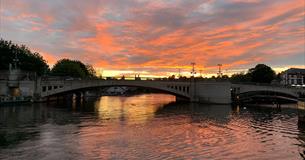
14	100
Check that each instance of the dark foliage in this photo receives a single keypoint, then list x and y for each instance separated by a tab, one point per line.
240	77
262	73
72	68
28	60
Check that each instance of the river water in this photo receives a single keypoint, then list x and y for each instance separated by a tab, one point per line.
149	126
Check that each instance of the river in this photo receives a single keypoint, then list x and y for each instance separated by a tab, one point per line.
148	126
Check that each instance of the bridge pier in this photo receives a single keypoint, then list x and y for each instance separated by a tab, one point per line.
79	97
278	105
301	120
301	107
68	97
181	99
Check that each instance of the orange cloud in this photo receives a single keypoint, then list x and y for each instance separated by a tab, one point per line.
156	37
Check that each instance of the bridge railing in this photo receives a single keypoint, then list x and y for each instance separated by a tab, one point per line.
268	85
53	78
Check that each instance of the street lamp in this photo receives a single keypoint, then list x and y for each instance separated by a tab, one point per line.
219	70
193	72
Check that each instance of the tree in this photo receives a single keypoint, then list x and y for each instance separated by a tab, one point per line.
240	77
72	68
261	73
28	60
172	77
91	70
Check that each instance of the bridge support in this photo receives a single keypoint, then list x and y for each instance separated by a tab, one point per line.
181	99
68	97
301	107
301	120
278	105
193	95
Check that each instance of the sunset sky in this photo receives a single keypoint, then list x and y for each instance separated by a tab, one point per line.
156	37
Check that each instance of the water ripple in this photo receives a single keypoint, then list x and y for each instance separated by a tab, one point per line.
149	127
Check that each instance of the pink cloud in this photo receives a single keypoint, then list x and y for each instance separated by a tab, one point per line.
161	36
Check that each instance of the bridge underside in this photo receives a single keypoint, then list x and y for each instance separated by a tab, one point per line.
180	97
266	97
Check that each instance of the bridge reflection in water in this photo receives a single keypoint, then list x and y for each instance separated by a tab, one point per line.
150	126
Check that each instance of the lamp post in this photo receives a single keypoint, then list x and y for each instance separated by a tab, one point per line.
219	70
193	72
193	83
200	71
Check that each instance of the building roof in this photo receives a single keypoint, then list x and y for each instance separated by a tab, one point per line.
295	71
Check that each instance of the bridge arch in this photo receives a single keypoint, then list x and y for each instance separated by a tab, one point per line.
181	89
246	92
266	96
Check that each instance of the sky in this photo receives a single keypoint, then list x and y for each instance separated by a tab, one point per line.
159	37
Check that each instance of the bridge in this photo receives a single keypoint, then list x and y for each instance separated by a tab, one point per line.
194	90
191	90
204	92
258	92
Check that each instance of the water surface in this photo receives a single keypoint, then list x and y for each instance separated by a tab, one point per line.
150	126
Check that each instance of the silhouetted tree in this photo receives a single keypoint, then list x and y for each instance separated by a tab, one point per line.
72	68
172	77
240	77
183	78
28	60
261	73
91	70
224	77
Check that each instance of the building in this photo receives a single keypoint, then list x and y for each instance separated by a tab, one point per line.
293	77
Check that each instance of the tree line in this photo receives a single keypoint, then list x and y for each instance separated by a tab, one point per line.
261	73
29	61
34	62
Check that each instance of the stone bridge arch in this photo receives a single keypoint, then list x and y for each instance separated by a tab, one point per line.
51	88
194	91
245	92
267	96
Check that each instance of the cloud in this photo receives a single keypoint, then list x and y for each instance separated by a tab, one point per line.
160	36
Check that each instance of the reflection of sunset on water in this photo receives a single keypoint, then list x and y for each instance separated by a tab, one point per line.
135	109
151	126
